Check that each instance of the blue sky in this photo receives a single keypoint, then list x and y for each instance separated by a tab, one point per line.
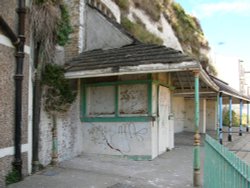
226	24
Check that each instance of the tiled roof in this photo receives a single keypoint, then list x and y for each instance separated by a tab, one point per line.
130	55
224	87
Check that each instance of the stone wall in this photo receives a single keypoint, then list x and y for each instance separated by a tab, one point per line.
7	93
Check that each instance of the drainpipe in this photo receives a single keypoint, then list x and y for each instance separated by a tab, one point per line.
21	11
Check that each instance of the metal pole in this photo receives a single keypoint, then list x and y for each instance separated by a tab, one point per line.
221	119
196	162
241	106
218	117
17	163
247	129
230	120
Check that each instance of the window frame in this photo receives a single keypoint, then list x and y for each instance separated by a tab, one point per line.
118	117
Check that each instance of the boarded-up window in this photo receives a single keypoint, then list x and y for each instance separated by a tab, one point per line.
133	99
101	101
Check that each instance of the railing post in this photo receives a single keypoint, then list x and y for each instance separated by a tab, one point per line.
221	119
230	120
196	163
241	106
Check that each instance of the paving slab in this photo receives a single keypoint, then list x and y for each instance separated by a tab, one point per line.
172	169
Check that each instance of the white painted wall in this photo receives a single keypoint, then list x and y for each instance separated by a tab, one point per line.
69	133
114	9
179	113
117	138
208	116
211	114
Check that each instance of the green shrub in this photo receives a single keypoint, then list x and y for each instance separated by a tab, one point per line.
12	177
140	32
123	4
58	95
64	28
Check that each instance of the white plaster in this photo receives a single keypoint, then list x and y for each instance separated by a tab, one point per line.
154	138
10	150
179	113
81	26
6	42
114	9
30	113
211	114
117	138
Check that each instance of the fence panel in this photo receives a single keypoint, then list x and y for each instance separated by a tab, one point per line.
222	168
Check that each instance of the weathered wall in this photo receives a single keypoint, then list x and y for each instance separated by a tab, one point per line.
189	116
211	114
69	134
209	118
76	11
162	134
121	138
179	113
101	34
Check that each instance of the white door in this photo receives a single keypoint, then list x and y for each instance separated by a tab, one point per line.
164	130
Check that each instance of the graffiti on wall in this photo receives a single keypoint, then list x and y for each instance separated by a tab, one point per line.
120	139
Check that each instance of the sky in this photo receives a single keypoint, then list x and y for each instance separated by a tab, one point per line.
226	24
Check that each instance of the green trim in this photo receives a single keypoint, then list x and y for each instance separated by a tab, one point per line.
149	76
116	101
150	98
83	100
118	119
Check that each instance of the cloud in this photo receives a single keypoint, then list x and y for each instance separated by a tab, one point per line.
211	9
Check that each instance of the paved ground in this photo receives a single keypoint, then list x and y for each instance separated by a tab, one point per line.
171	170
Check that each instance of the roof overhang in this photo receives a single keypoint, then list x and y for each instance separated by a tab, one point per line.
139	69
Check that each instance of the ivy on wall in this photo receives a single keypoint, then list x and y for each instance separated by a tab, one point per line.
58	93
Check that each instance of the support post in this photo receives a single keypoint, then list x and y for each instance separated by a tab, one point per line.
241	106
218	117
221	119
204	123
247	128
196	163
230	120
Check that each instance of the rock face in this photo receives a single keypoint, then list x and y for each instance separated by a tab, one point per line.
166	20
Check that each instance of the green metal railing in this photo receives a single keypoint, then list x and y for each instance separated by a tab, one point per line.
222	168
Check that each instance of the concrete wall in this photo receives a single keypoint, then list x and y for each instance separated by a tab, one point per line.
211	114
101	34
7	99
179	113
207	115
119	138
